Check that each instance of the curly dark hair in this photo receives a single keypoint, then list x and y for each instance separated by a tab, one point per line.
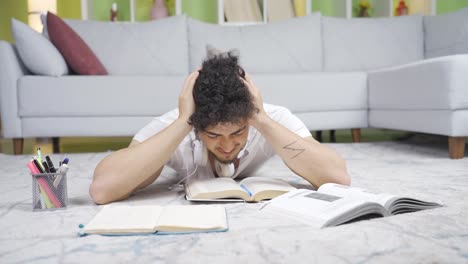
219	93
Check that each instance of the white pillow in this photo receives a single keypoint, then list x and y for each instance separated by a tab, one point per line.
38	54
446	34
362	44
44	25
289	46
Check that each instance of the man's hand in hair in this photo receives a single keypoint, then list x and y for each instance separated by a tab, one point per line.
186	102
257	100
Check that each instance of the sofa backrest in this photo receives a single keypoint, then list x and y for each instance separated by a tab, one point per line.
446	34
138	48
362	44
294	45
177	45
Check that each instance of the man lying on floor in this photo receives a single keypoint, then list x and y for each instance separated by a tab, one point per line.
221	128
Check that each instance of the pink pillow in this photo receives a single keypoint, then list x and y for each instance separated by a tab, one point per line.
79	57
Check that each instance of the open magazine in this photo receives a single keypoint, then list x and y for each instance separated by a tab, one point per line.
335	204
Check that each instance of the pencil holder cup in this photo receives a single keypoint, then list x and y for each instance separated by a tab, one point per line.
49	191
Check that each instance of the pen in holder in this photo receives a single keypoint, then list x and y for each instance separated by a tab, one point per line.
49	191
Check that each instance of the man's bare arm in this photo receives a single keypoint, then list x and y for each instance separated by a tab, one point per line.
126	170
316	163
132	168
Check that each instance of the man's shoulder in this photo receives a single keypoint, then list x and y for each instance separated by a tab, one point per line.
157	124
169	117
276	111
285	117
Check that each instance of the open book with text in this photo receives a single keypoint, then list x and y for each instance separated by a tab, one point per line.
251	189
148	219
335	204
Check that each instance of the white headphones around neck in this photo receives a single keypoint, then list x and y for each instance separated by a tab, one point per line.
200	157
200	153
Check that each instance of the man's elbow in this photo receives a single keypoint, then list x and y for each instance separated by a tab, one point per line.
341	175
102	194
337	173
344	179
337	177
98	194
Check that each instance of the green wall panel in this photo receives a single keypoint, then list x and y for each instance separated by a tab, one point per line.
204	10
323	6
335	8
69	9
447	6
11	9
170	4
142	9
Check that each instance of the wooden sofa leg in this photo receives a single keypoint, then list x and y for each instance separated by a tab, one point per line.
56	144
332	136
456	147
318	135
356	134
18	146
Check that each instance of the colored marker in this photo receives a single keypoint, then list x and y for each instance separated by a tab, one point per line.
50	164
39	167
34	170
40	164
46	168
39	156
63	169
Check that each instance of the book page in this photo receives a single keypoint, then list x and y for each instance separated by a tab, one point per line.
262	188
407	205
320	209
357	193
213	188
190	218
392	203
121	219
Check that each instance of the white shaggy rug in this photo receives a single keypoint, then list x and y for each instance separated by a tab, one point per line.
421	171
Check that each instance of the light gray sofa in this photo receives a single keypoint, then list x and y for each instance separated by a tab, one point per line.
396	73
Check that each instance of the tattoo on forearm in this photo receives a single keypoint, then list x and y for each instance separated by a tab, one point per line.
297	151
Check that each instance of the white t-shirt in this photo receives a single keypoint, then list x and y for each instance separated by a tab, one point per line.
257	148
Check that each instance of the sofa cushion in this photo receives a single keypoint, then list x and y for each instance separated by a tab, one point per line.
144	48
63	126
294	45
326	120
366	44
38	54
91	96
446	34
448	123
315	92
312	92
433	84
77	54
